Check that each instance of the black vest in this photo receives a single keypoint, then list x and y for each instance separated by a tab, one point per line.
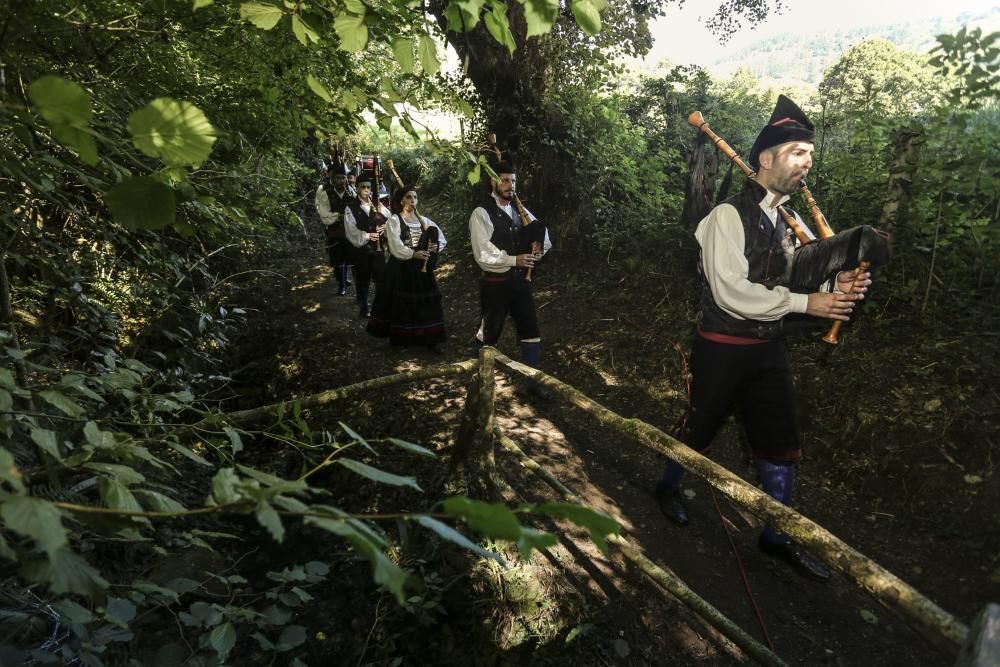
367	222
769	265
508	233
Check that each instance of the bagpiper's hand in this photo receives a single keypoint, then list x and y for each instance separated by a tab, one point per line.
832	306
336	216
854	282
526	261
421	255
373	237
432	247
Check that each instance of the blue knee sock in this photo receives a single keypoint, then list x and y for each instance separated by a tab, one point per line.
531	354
671	477
777	479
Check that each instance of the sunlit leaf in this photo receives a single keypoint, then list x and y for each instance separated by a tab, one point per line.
498	26
318	88
588	14
352	31
174	130
303	31
142	202
402	48
540	15
428	54
199	4
263	15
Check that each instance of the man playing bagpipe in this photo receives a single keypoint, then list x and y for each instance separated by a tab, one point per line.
364	223
507	241
759	283
332	197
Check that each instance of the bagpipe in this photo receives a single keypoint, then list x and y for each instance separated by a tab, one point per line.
532	231
428	233
817	261
370	167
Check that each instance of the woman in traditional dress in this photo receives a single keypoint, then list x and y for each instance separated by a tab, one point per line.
407	308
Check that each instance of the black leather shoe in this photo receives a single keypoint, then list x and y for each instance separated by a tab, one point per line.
342	292
801	560
671	505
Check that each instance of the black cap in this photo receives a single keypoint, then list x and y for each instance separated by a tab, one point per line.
787	123
504	164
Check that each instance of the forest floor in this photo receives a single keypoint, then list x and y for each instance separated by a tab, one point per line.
900	431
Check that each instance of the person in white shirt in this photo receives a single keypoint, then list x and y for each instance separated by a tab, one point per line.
502	247
332	197
740	358
408	308
364	223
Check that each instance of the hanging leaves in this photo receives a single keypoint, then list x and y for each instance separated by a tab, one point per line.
402	48
540	15
588	14
173	130
428	54
318	88
66	107
351	29
499	27
263	15
303	31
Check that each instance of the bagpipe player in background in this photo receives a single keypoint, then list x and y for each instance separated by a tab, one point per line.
364	222
507	241
758	283
332	197
408	308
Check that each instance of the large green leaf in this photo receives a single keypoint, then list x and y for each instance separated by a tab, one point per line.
410	447
377	475
173	130
37	519
65	106
47	441
488	519
318	88
262	14
498	26
540	15
599	525
157	502
534	539
142	202
452	535
428	54
588	14
61	401
352	31
463	15
9	472
223	639
303	31
402	48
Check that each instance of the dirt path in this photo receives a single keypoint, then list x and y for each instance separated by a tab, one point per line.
307	339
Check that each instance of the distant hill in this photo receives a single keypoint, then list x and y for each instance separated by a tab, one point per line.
799	59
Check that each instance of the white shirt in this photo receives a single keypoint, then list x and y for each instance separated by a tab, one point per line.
357	236
489	257
323	207
396	247
721	237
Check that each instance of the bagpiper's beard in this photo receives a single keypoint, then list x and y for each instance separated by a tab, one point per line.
506	196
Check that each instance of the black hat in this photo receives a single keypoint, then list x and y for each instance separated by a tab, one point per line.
788	123
504	164
339	168
364	178
397	197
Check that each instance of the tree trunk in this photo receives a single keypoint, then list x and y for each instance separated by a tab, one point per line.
908	144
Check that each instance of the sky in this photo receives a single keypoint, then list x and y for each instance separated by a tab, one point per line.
682	38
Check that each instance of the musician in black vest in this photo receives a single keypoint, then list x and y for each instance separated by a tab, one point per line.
740	358
502	249
364	223
332	197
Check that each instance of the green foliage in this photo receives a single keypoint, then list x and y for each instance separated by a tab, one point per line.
974	59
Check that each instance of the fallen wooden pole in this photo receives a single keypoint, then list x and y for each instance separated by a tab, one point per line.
666	580
331	395
939	626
